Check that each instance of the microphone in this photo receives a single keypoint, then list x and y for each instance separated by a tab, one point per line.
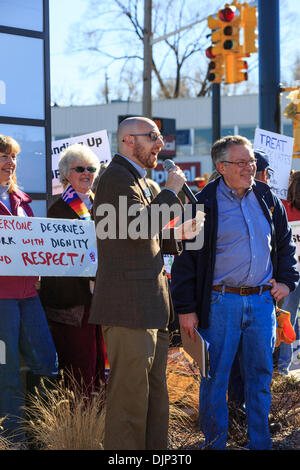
168	165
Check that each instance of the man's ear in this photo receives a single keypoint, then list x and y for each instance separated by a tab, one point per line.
220	168
265	176
128	140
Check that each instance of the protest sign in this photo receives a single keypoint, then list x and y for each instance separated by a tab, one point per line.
295	226
295	365
98	143
168	261
279	149
36	246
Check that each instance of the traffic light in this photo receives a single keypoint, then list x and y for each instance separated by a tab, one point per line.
296	128
235	67
216	66
230	32
249	25
216	34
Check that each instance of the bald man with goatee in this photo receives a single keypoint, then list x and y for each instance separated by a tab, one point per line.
131	297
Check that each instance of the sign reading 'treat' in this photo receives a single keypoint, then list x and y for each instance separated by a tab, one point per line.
279	149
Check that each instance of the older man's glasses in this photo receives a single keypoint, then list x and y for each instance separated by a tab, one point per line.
154	136
243	164
80	169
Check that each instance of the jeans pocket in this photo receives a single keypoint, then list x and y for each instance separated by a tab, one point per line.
267	297
215	297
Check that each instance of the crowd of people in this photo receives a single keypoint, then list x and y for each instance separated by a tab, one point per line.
227	289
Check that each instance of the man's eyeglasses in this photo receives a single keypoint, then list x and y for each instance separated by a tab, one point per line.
243	164
80	169
153	136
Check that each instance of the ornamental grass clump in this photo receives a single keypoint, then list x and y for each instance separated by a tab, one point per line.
4	442
62	417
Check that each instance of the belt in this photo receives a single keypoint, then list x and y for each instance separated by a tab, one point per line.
242	290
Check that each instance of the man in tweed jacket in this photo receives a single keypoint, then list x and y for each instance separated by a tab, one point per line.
131	296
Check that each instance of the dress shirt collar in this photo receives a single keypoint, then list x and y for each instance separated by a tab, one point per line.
141	170
230	193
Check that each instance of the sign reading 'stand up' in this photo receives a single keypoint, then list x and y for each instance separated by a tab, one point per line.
97	141
47	247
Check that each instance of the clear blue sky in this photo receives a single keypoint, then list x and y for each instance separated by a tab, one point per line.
65	73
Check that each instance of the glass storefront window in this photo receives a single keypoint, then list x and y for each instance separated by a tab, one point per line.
22	14
39	208
31	167
22	77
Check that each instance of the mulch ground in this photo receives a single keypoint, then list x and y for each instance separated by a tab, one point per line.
184	433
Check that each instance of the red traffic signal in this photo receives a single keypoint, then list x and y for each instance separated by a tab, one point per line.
227	14
209	53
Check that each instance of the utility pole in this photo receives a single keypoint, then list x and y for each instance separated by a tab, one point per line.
148	43
147	98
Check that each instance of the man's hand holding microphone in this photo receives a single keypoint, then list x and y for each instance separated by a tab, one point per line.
176	181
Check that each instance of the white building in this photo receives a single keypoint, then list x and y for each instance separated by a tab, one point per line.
239	115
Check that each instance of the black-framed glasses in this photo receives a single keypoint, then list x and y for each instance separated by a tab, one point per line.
153	136
243	164
80	169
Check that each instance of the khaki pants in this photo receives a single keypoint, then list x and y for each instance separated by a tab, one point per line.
137	406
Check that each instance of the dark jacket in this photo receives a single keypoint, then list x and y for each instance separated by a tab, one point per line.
17	287
64	292
192	271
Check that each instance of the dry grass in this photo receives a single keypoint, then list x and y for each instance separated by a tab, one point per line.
183	381
183	384
285	407
5	444
63	418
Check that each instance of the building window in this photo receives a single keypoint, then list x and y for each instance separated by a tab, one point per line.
288	130
113	143
227	131
202	142
247	132
183	142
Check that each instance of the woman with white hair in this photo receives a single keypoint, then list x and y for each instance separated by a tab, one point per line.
67	300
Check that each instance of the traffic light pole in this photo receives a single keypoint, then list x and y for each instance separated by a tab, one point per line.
216	111
269	65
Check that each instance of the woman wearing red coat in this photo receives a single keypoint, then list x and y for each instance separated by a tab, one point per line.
23	325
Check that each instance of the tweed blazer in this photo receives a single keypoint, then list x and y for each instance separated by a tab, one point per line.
131	288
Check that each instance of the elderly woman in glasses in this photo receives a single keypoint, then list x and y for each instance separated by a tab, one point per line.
67	300
23	325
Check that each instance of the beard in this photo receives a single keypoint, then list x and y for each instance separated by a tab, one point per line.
147	159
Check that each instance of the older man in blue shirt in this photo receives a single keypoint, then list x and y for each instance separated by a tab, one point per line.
229	287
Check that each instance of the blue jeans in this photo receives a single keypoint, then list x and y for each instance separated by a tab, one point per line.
23	329
248	321
290	304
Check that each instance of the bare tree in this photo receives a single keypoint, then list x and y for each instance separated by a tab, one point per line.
111	35
113	32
